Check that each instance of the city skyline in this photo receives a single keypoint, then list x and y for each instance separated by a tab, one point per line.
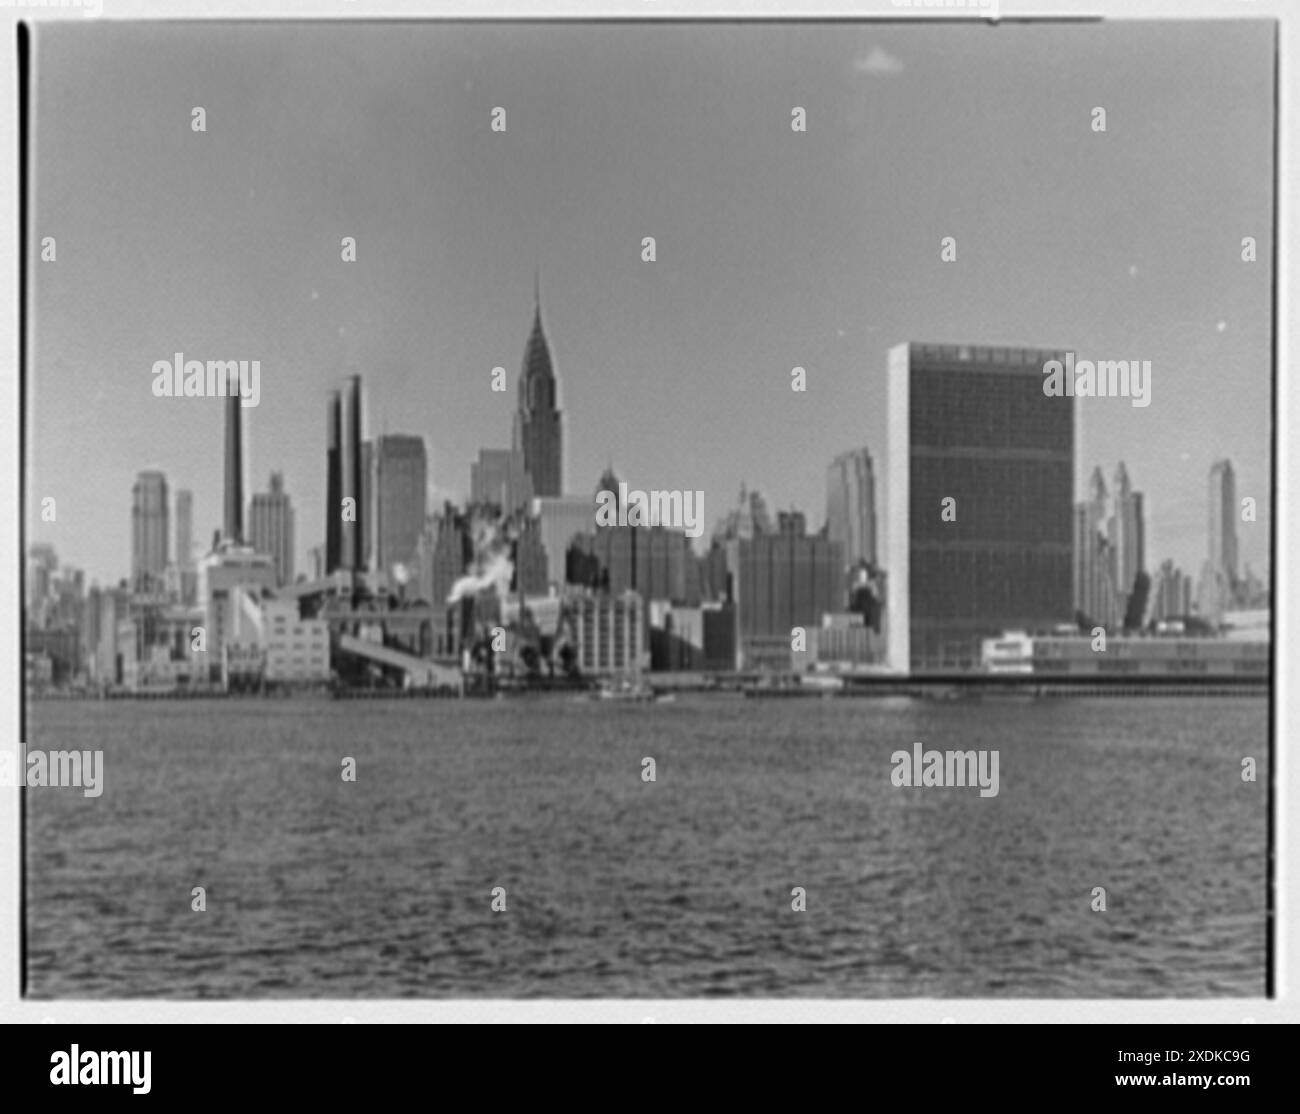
655	360
1124	524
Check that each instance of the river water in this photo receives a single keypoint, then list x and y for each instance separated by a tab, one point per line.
617	886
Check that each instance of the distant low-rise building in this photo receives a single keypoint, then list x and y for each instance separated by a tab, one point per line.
1057	655
293	650
695	639
609	632
230	567
1247	624
842	644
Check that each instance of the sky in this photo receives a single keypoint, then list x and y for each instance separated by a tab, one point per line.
775	249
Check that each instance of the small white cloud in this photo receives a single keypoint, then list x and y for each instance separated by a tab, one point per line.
1221	326
878	61
1132	270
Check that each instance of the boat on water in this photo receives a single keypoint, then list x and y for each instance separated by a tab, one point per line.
625	689
631	688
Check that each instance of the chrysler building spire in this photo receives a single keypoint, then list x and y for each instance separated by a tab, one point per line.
538	435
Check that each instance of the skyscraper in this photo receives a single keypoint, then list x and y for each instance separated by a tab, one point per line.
183	558
149	520
560	519
782	581
1139	514
654	561
851	506
1109	549
1095	596
1223	521
498	476
981	484
446	550
1171	593
1125	529
41	565
748	519
399	487
538	435
184	530
271	526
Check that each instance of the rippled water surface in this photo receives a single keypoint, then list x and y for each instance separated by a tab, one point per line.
618	887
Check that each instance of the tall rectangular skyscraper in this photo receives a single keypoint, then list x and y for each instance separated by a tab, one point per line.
498	476
1223	521
560	519
1140	534
186	575
271	527
981	487
1126	533
851	506
782	581
149	520
184	530
400	482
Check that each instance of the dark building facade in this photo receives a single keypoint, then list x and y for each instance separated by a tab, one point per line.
530	562
149	523
1223	520
973	425
399	490
782	581
655	561
271	528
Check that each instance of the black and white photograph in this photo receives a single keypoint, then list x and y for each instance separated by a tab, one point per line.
662	509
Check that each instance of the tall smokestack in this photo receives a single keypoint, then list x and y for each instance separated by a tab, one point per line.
333	483
233	522
350	460
358	535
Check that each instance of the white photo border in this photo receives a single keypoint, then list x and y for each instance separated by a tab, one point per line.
1285	719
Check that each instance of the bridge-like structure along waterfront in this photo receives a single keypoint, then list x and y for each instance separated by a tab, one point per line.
418	672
